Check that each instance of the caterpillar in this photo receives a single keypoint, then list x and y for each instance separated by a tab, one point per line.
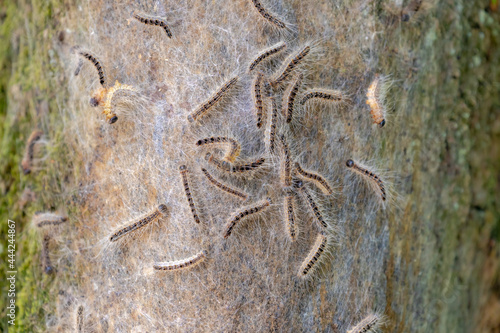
286	168
289	65
370	323
375	99
311	262
181	264
154	21
272	126
160	211
185	181
314	207
79	319
78	67
272	51
292	227
367	173
47	264
234	168
257	97
90	57
322	94
26	163
238	216
110	115
234	146
315	178
49	219
216	97
268	16
224	187
410	10
289	97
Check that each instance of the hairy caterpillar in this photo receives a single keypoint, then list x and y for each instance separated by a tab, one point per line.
272	126
224	187
231	154
181	264
49	219
273	50
187	190
311	262
90	57
375	99
315	178
257	97
314	207
286	167
289	97
47	264
79	319
374	179
260	206
234	168
160	211
267	15
216	97
411	9
292	227
153	21
322	94
370	323
289	65
110	115
27	161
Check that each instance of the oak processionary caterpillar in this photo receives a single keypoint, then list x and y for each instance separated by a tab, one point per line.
376	96
322	94
411	9
268	16
286	167
312	261
234	168
272	126
224	187
315	178
289	97
187	190
47	264
27	161
289	65
374	179
292	227
203	108
153	21
370	323
79	319
257	97
44	219
160	211
231	154
314	207
110	115
181	264
90	57
273	50
260	206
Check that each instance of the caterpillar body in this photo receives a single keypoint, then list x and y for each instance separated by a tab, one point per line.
26	163
185	181
47	264
292	227
154	21
216	183
370	323
234	146
410	10
234	168
289	66
289	97
111	117
272	126
312	204
322	94
268	16
374	179
313	259
181	264
49	219
375	99
266	54
97	64
286	167
79	319
160	211
257	97
315	178
237	217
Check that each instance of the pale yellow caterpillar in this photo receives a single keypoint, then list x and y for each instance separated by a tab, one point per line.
181	264
369	324
292	227
154	21
257	97
234	146
110	115
319	181
234	168
185	181
160	211
27	161
266	54
375	99
289	66
271	18
312	204
216	183
322	94
240	215
289	97
369	175
314	258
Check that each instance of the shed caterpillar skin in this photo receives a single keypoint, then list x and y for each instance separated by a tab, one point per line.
181	264
268	16
47	264
322	94
272	126
289	97
26	163
110	115
160	211
370	323
79	319
314	207
185	181
234	146
316	254
289	65
237	217
224	187
292	227
234	168
370	175
49	219
257	97
266	54
216	97
153	21
375	99
319	181
286	165
90	57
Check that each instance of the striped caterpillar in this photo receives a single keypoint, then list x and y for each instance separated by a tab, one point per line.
224	187
79	319
374	179
153	21
181	264
313	259
272	51
187	190
314	207
90	57
111	117
289	97
160	211
268	16
272	126
289	65
49	219
292	227
234	168
27	161
319	181
322	94
370	323
375	99
234	146
47	264
216	97
286	167
237	217
257	97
